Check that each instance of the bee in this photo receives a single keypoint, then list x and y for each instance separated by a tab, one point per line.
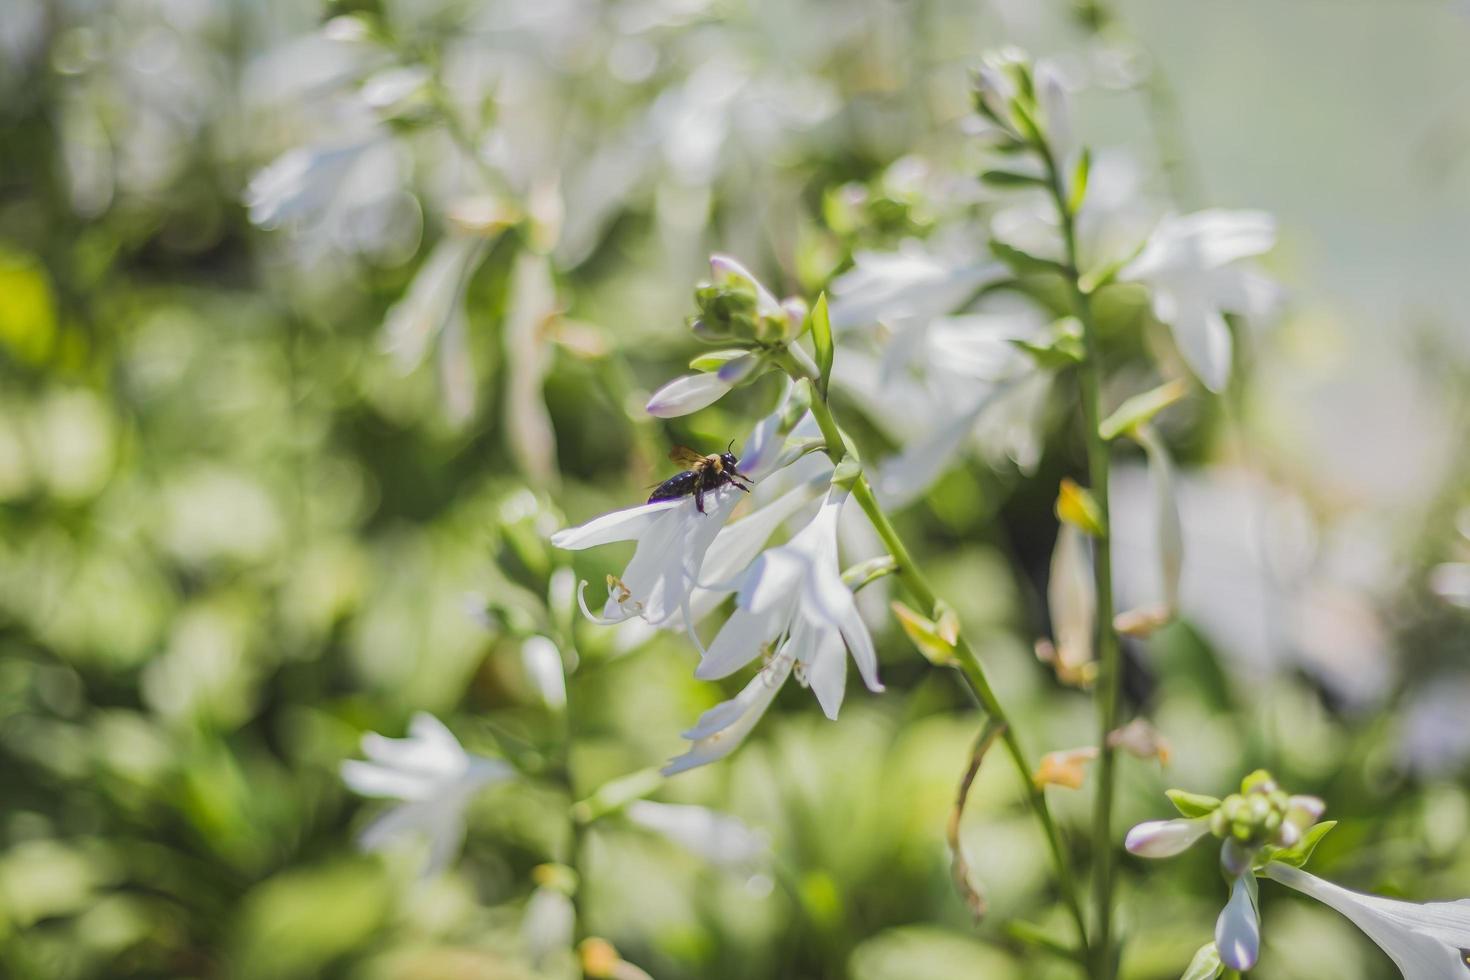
703	474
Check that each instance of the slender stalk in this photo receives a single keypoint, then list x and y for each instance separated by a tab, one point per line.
918	586
1109	676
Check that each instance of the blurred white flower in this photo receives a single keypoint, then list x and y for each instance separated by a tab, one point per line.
528	357
1427	942
920	281
548	925
436	292
1189	266
718	838
791	598
1071	597
543	665
434	778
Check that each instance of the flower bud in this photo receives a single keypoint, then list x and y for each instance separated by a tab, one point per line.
1165	838
686	394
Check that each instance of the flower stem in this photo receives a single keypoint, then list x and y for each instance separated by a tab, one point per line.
969	663
1109	677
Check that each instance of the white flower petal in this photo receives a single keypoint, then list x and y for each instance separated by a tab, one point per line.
737	644
719	838
1425	941
686	394
628	524
367	779
725	726
826	669
1201	334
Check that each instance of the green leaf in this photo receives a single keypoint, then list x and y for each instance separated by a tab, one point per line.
1142	408
1301	852
1192	804
1079	181
821	327
1052	357
1024	263
715	360
1009	178
1206	964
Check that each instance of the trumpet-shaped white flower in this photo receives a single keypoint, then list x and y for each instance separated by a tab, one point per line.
434	777
1427	942
1189	264
665	583
673	537
791	598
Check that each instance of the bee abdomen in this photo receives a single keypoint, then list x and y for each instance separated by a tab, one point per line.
674	487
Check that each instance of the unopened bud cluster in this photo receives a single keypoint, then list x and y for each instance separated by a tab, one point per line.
734	308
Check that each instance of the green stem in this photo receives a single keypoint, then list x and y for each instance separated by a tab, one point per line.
1109	676
918	586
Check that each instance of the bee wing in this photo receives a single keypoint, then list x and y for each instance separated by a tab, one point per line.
686	457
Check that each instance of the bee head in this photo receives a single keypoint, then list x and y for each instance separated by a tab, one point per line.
728	460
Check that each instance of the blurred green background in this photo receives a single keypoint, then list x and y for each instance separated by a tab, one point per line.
236	531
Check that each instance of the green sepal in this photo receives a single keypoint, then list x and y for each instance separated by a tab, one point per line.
1300	853
820	324
612	797
1206	964
867	572
1141	409
934	640
1192	804
715	360
848	471
1009	178
1024	263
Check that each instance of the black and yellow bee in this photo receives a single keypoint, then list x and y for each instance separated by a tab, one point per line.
703	474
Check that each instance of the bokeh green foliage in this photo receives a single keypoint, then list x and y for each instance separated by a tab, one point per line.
233	537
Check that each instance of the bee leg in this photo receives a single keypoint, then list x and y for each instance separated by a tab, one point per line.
699	500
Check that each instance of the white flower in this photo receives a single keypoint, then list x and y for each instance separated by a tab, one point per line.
917	281
1165	838
527	358
791	598
1188	265
672	537
433	776
1238	928
543	665
718	838
437	290
1071	596
1427	942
